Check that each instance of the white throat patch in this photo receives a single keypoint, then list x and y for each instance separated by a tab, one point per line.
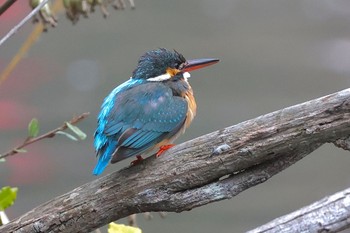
186	75
167	76
160	78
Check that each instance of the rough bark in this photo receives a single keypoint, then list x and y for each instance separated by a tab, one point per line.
210	168
330	214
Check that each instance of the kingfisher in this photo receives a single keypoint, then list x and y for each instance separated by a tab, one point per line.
149	111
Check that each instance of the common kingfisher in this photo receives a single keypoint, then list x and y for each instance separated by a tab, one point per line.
150	110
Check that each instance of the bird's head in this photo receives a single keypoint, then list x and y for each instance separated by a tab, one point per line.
163	65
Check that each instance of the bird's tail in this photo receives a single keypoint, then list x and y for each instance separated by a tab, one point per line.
104	156
100	166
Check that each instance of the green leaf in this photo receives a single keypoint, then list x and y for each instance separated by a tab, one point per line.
121	228
81	135
20	150
71	137
7	197
33	128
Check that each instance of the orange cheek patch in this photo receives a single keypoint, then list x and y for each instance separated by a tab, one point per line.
172	72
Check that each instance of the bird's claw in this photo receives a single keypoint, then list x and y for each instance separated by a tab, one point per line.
137	160
164	148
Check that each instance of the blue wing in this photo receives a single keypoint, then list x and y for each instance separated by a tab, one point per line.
141	117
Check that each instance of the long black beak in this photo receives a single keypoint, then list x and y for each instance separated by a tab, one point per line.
196	64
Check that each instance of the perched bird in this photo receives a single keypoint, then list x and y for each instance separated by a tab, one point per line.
150	110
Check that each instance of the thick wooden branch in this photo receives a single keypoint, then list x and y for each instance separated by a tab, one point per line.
331	214
210	168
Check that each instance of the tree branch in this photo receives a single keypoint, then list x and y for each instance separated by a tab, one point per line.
49	134
330	214
210	168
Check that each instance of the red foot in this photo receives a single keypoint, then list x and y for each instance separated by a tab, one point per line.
164	148
137	160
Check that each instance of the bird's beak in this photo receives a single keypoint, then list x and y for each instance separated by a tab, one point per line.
198	63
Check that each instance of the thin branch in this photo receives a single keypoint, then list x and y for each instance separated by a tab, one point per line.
6	6
207	169
23	21
317	217
49	134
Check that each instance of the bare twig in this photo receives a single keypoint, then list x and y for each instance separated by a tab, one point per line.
23	21
6	5
49	134
31	39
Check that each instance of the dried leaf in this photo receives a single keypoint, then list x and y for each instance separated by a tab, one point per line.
67	135
20	150
81	135
3	218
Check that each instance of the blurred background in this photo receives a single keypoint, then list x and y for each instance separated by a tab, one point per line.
273	54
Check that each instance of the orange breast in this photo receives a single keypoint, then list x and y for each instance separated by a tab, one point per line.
191	113
192	107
